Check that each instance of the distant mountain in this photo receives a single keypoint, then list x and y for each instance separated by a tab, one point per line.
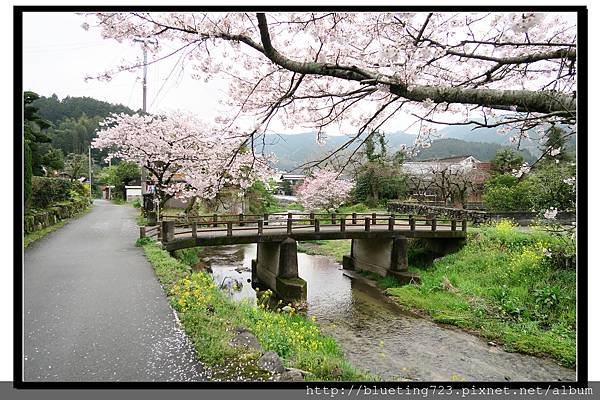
467	133
294	150
442	148
491	135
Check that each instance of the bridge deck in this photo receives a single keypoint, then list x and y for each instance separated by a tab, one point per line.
184	238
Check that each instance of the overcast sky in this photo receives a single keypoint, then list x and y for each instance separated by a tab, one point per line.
58	54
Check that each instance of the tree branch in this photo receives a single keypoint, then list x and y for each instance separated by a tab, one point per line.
525	100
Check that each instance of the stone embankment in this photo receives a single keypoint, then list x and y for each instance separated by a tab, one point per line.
36	220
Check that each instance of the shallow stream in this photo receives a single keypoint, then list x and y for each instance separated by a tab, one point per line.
376	335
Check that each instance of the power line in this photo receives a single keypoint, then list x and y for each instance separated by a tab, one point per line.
166	80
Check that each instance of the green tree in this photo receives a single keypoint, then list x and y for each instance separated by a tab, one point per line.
260	199
506	160
379	178
52	159
556	147
550	185
74	135
119	175
553	185
34	128
287	188
76	165
507	193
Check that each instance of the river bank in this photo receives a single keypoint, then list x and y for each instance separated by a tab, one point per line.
500	286
375	333
212	321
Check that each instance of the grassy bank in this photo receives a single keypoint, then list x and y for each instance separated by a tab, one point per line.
32	237
501	285
210	319
336	249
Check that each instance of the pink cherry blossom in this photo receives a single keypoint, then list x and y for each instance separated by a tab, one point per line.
317	70
184	156
324	190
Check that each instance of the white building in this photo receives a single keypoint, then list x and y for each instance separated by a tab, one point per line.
425	167
133	192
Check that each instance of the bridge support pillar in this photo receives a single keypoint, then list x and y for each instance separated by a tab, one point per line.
167	231
276	267
381	256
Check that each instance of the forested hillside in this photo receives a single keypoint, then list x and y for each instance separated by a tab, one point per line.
55	110
69	126
74	122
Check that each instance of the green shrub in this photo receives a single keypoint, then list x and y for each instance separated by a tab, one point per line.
28	174
141	242
48	191
136	203
189	256
506	193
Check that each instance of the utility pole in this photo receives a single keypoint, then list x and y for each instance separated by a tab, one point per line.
90	169
144	90
109	165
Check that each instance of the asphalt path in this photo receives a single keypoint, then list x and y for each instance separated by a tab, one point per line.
94	310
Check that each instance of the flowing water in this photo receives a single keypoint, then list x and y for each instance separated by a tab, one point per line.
376	335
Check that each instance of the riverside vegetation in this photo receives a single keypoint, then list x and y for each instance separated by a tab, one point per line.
211	319
504	285
51	204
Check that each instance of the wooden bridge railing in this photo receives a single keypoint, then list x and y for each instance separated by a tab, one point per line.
261	224
150	231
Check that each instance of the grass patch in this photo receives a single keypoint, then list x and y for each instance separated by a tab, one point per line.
32	237
503	286
189	256
172	212
336	249
141	220
211	319
384	282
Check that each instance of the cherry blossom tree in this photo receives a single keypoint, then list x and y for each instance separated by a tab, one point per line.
513	71
324	190
185	157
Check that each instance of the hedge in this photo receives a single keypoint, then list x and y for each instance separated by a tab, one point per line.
48	191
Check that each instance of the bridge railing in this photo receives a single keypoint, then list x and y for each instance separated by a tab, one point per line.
264	224
150	231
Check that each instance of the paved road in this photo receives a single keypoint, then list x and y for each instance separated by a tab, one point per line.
93	309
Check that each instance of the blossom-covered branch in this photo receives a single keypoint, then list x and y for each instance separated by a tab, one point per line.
362	69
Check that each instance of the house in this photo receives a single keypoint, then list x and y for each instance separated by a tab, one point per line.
456	180
288	183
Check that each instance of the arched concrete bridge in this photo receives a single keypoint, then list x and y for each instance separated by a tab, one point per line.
379	241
